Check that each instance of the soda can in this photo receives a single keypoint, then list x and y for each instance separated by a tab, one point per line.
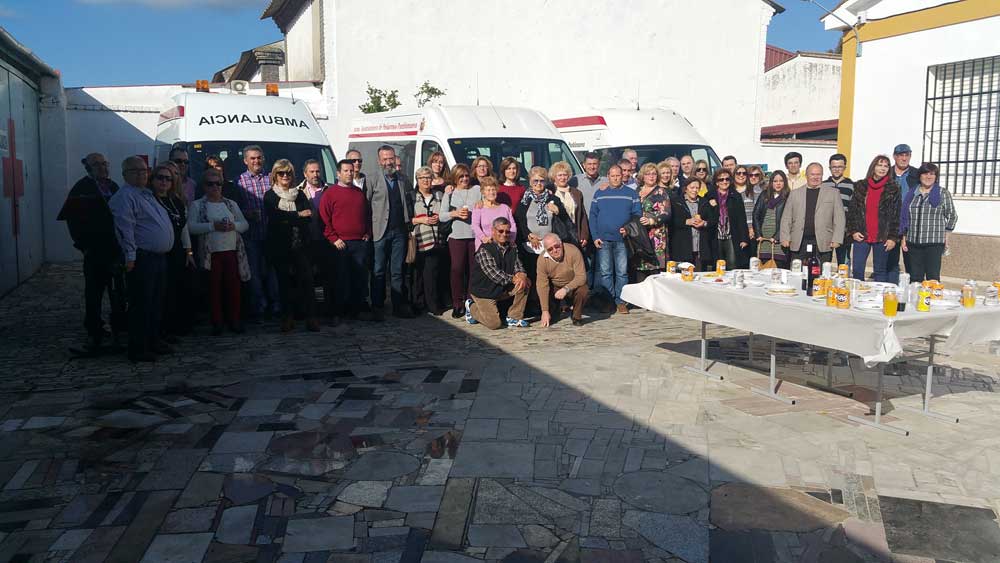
671	266
842	270
831	294
754	264
924	299
796	265
843	298
720	267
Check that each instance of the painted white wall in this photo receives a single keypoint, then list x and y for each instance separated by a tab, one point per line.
301	46
806	88
890	92
536	62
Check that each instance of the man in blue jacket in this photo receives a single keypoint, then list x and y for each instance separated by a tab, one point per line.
610	210
908	180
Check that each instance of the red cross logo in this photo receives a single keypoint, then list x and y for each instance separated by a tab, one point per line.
13	177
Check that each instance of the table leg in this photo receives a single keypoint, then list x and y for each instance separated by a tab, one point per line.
772	384
928	391
702	368
829	388
878	410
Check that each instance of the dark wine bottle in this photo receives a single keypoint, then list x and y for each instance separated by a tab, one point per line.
813	269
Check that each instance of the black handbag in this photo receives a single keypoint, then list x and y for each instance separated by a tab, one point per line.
637	241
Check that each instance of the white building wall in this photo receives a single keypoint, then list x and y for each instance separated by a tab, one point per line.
641	53
802	89
301	46
773	154
889	100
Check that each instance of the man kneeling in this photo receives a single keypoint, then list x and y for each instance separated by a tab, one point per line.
497	275
561	277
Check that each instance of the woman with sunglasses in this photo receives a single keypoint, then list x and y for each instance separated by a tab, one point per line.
178	315
757	178
456	209
655	203
219	222
701	171
767	219
511	190
732	238
536	216
439	168
748	194
289	215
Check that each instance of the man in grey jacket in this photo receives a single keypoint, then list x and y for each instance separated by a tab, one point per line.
814	215
391	198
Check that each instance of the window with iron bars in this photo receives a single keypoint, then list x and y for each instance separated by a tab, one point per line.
962	125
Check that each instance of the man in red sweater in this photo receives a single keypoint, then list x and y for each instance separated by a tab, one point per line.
347	226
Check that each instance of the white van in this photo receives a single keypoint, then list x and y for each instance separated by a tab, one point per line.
655	134
462	133
207	123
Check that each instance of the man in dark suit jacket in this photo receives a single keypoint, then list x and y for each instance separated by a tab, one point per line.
390	195
92	229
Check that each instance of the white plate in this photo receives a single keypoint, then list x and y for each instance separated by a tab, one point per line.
781	294
777	286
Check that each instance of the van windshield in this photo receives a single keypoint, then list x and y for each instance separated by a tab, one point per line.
658	153
529	152
231	153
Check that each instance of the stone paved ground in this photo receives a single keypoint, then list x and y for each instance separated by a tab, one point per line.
432	440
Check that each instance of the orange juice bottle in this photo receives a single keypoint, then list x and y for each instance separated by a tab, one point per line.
890	303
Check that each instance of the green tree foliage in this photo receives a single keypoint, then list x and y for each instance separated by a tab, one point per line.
380	100
426	93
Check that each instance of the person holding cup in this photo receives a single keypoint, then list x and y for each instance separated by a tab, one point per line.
691	222
456	208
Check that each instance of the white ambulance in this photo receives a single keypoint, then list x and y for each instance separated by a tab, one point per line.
462	133
655	134
207	123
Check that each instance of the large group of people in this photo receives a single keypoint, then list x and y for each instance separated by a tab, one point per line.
495	252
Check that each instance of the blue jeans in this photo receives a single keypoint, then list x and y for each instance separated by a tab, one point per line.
352	277
263	282
392	248
880	261
612	267
841	252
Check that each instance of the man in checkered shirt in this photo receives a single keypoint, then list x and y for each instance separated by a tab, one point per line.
263	280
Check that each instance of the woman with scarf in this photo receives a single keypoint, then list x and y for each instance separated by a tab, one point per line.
219	222
430	248
655	204
732	237
873	220
572	200
928	215
767	219
178	315
289	215
539	213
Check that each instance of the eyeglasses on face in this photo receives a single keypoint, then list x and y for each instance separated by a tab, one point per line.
536	181
284	173
353	160
755	175
701	169
163	178
741	173
424	178
502	231
213	184
553	247
463	176
722	181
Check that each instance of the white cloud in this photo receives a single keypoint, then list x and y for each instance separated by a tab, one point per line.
167	4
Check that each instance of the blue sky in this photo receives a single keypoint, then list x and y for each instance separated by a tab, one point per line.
117	42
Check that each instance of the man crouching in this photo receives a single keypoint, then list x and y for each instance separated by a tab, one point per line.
498	276
562	277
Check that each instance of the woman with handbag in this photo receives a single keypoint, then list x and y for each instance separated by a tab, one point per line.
425	244
220	223
655	203
289	215
767	221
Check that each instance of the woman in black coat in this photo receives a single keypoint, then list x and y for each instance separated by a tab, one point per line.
539	213
289	215
732	235
692	217
876	235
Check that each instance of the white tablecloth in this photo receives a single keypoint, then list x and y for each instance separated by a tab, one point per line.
865	333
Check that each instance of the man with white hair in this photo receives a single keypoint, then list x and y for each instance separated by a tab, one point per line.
813	216
561	277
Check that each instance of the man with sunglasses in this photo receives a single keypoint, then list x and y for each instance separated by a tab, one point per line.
844	185
354	157
498	276
561	278
92	228
145	234
179	156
